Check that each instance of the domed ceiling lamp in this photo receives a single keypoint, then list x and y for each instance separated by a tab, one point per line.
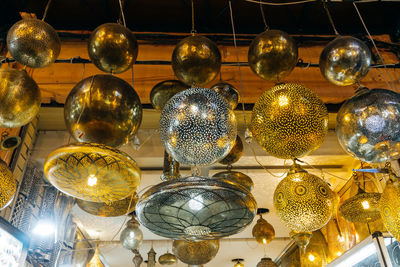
167	259
8	185
195	252
238	262
95	261
263	232
266	262
131	237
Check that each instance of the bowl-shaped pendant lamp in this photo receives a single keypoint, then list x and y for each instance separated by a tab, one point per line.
195	252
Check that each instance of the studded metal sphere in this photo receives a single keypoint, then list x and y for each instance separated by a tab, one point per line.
195	252
229	92
273	55
162	92
197	127
389	207
345	60
368	125
112	48
303	202
289	121
196	60
362	208
33	43
234	154
19	98
103	109
196	208
236	178
8	186
266	262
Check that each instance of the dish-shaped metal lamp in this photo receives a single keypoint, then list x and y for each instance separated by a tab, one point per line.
368	125
162	92
196	60
167	259
273	55
112	48
266	262
289	121
195	252
234	154
345	61
236	178
33	43
197	127
229	92
103	109
8	186
196	208
113	209
92	172
19	97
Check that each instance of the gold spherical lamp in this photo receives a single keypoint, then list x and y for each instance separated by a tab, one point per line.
103	109
272	55
266	262
289	121
167	259
8	186
234	154
19	97
92	172
263	231
33	43
195	252
112	48
303	201
163	91
389	207
196	60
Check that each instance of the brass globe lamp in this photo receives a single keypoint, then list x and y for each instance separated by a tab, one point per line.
103	109
272	55
303	201
229	92
196	60
92	172
389	206
33	43
263	231
266	262
162	92
20	98
234	154
8	186
195	252
112	48
289	121
131	237
235	177
345	61
167	259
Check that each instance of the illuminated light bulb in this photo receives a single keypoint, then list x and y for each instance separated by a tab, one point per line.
311	257
44	227
339	253
365	204
92	180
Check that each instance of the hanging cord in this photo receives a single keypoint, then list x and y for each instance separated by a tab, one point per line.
46	9
263	16
193	31
376	48
330	18
122	12
126	217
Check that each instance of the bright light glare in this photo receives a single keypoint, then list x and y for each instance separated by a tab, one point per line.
365	204
196	203
311	257
92	180
44	228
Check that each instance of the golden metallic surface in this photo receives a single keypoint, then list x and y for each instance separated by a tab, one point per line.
196	60
316	254
113	209
8	186
195	252
112	48
234	154
167	259
345	61
33	43
95	261
363	207
19	98
303	201
263	231
272	55
163	91
266	262
234	177
389	207
289	121
103	109
229	92
92	172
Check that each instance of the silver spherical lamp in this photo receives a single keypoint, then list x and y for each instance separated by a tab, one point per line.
131	237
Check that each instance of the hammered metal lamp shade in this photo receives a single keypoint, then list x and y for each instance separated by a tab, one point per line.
112	48
234	177
345	61
162	92
103	109
167	259
92	172
234	154
368	125
33	43
197	127
303	201
263	231
196	208
19	97
272	55
131	237
389	207
362	208
289	121
8	186
195	252
113	209
229	92
196	60
266	262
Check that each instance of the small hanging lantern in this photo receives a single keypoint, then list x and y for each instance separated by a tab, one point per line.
131	236
263	231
